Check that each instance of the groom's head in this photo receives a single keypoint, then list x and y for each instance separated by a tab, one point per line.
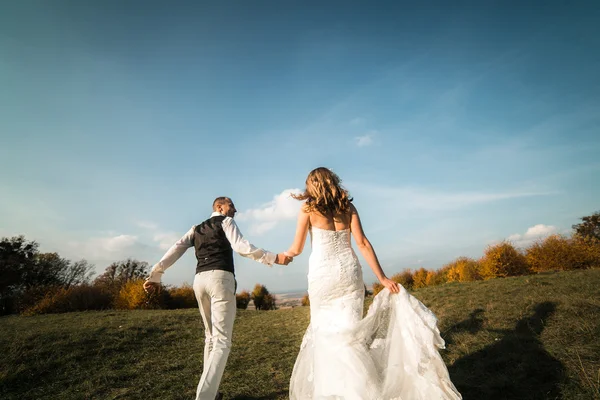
225	206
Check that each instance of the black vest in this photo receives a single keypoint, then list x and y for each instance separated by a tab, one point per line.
213	250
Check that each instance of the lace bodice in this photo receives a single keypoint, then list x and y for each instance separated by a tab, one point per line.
331	250
334	271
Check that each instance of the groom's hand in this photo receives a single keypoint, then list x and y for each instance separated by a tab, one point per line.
282	259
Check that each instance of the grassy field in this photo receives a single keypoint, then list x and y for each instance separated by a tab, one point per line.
532	337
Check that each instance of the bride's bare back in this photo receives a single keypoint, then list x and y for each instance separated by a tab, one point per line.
338	222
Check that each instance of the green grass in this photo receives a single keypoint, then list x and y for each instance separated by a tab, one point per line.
533	337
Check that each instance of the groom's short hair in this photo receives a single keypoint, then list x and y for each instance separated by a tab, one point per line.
219	201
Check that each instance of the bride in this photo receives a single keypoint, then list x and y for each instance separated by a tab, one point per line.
392	353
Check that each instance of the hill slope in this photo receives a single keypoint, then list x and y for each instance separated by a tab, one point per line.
533	337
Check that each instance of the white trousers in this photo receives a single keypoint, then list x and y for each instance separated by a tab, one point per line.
215	292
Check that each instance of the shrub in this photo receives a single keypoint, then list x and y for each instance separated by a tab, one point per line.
453	275
132	296
438	277
432	278
468	270
269	303
587	250
377	287
558	252
502	260
405	278
551	253
420	278
182	297
463	269
118	274
259	294
76	298
32	296
242	300
306	301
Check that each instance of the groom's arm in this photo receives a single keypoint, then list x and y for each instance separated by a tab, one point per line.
243	247
173	254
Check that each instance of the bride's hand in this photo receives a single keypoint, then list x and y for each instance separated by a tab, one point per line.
390	285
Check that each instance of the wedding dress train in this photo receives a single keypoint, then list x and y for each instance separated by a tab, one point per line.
391	354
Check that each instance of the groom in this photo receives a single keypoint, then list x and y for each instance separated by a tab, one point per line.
214	241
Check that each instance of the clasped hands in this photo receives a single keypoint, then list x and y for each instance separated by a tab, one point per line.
283	259
280	259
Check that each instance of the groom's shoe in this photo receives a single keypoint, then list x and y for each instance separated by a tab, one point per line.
219	396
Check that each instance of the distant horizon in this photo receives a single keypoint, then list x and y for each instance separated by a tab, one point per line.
291	292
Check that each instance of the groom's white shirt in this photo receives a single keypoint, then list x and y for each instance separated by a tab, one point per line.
238	243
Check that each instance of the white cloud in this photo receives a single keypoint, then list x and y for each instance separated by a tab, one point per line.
366	140
108	247
113	244
283	207
166	239
533	233
260	228
540	230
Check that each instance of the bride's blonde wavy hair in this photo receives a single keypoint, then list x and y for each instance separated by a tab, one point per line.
324	193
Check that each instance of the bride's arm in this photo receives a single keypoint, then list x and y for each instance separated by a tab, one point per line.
366	249
301	232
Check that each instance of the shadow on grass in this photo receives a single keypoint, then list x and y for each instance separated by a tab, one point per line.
515	367
272	396
473	324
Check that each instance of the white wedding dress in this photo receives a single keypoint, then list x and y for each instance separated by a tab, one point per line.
391	354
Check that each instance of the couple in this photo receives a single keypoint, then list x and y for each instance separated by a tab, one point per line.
391	354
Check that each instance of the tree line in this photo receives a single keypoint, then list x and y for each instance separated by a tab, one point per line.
579	250
32	282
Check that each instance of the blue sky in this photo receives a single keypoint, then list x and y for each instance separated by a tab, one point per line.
452	126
